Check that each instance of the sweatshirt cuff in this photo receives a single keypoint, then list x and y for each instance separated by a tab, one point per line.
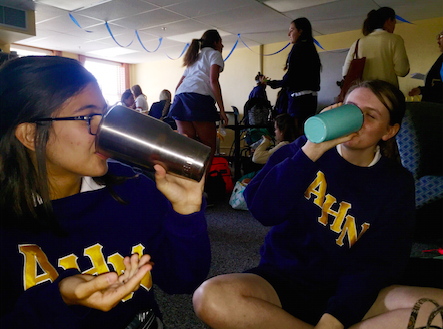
189	225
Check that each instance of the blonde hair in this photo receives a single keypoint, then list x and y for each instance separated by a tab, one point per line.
165	95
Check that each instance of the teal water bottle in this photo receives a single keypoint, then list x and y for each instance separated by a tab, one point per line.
340	121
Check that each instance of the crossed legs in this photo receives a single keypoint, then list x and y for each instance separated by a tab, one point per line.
242	300
245	300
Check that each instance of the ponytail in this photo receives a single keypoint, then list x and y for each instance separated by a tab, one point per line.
208	39
376	19
192	53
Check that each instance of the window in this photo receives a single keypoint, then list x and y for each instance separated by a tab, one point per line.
29	51
110	77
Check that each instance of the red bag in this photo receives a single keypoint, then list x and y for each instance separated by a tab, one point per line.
354	75
221	165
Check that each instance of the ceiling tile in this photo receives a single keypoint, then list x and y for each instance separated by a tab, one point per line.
65	23
182	27
256	12
149	19
196	8
163	3
117	9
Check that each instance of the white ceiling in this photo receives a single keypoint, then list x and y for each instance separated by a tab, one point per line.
256	22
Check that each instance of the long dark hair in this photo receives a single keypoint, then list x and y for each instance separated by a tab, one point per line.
376	19
303	24
394	101
208	39
32	87
286	124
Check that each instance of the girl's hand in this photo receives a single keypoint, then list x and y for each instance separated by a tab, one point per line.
224	118
314	151
333	106
184	194
105	291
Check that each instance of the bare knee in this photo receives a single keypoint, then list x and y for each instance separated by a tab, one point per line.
211	299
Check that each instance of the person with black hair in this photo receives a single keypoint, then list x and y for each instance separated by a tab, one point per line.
69	216
199	89
302	79
342	217
127	99
285	133
385	52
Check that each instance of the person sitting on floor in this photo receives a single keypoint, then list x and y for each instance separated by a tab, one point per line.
285	132
342	219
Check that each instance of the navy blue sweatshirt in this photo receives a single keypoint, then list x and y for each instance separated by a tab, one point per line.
99	233
303	69
336	226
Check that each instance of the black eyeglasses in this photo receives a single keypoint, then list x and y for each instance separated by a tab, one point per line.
92	119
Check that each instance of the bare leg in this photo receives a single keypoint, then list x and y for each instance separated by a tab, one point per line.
393	307
242	300
186	128
207	134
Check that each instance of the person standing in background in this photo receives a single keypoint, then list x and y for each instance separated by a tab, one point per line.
433	89
141	104
385	51
302	78
199	89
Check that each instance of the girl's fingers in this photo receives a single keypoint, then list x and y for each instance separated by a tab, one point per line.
145	259
97	283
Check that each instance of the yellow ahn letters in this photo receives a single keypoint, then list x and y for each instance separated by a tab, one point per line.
342	224
34	257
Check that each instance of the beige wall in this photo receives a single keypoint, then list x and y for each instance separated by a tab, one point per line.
237	80
240	69
420	43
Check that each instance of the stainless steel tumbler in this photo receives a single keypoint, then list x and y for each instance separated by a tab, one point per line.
141	140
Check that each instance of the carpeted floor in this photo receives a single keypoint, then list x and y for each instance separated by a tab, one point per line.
235	241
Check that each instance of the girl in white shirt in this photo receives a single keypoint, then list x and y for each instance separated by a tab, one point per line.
141	104
199	89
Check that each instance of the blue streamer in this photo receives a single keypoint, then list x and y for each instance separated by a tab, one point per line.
159	43
318	44
401	19
238	35
235	45
76	23
109	30
186	47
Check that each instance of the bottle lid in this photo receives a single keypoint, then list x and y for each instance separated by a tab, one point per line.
315	129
